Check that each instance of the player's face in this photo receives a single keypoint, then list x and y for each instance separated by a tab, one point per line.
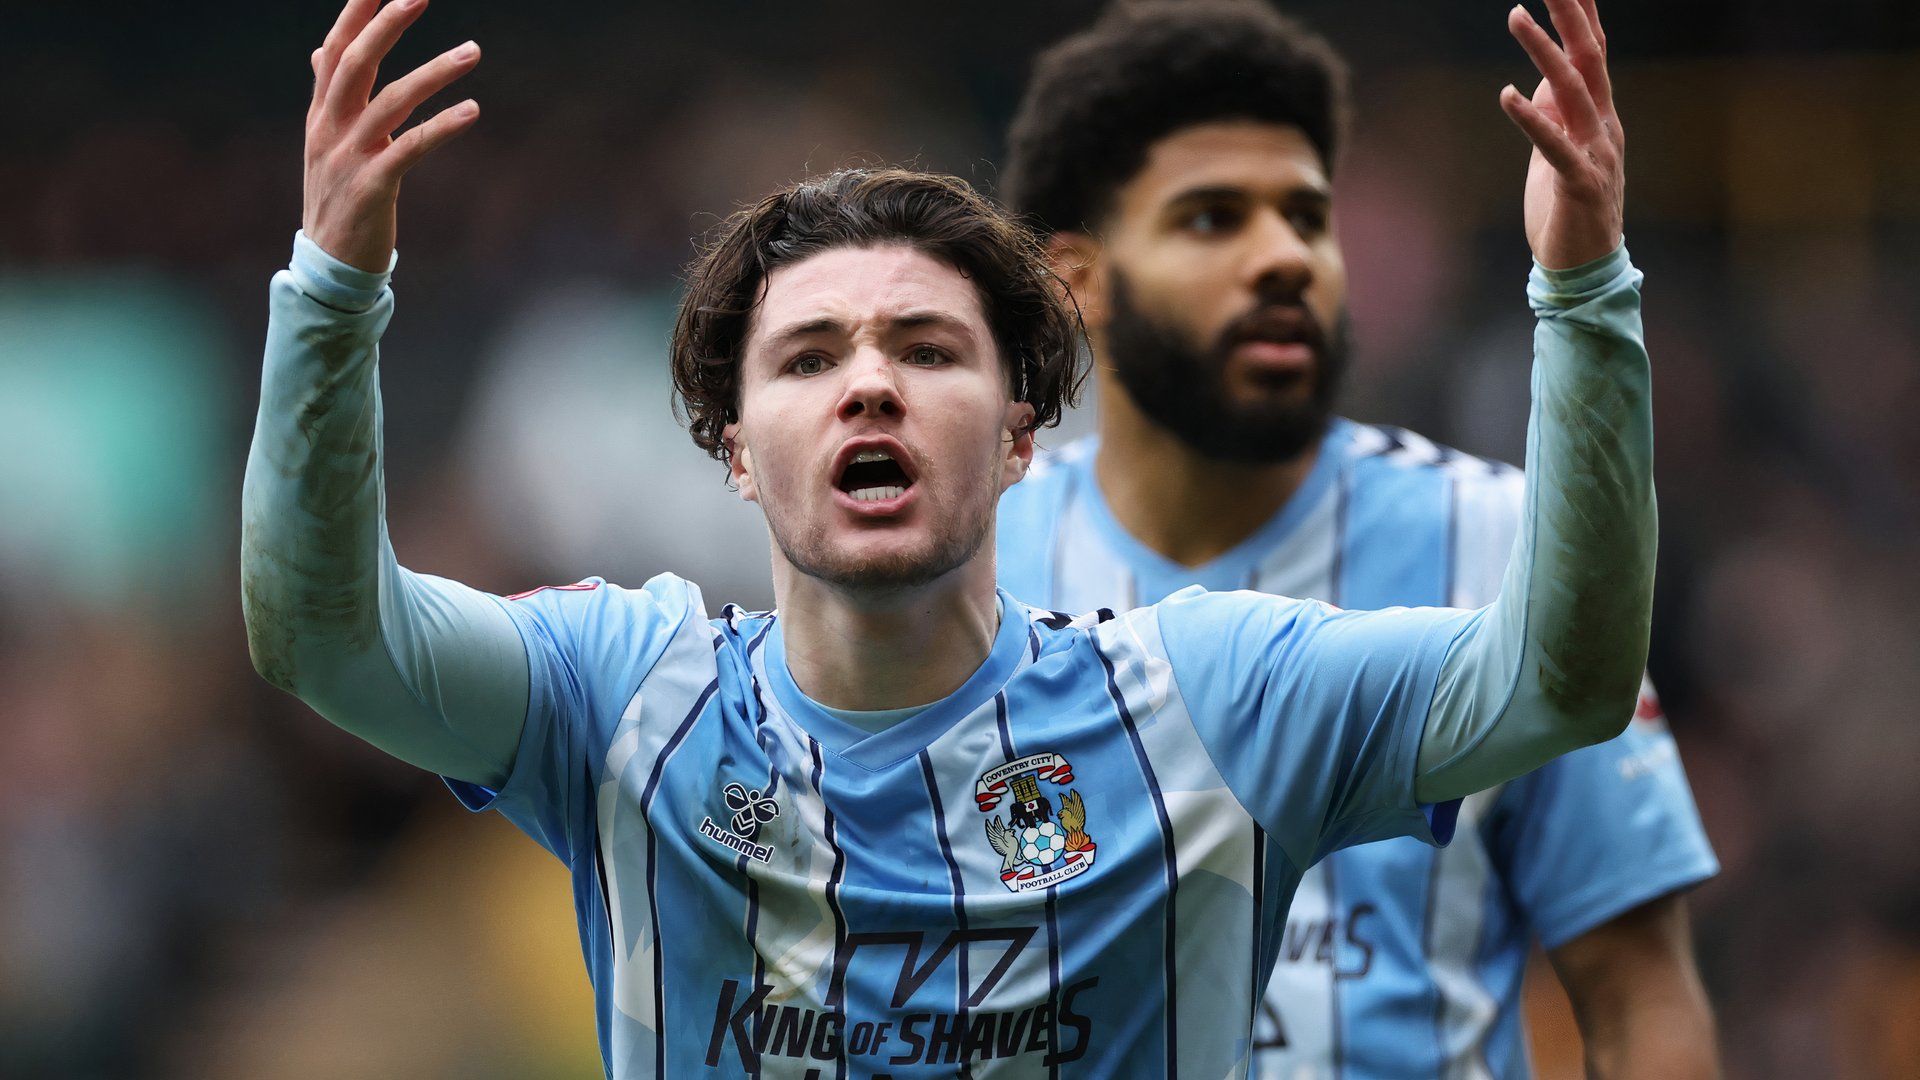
1219	292
875	418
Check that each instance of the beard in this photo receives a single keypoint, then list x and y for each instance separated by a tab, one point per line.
1184	389
810	551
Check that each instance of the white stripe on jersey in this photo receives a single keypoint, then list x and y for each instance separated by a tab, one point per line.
1456	916
639	742
1485	517
1305	1030
632	972
1210	827
1087	570
1304	562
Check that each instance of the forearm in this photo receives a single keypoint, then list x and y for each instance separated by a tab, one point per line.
1555	662
428	670
1637	996
1653	1040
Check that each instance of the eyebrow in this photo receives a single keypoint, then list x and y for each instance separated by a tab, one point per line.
911	320
1299	192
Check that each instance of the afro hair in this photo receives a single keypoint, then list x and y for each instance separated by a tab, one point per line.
1099	99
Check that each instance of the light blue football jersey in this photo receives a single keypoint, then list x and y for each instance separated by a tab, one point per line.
1076	865
1397	959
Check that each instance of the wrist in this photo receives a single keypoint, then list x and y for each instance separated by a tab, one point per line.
333	282
1575	285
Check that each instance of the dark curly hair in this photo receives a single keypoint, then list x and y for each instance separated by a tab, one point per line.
1099	100
1033	322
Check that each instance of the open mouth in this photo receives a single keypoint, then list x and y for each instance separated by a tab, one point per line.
874	475
1279	335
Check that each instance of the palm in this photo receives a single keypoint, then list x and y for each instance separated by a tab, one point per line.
1542	179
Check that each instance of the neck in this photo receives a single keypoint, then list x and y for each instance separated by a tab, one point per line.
891	650
1189	508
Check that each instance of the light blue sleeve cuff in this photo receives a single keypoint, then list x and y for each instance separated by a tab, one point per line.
1549	290
334	283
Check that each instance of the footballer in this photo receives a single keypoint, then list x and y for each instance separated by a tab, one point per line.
1181	157
906	825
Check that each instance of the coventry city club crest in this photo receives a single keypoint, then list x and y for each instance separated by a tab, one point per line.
1038	848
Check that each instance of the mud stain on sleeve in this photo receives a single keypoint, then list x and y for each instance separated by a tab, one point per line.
1600	511
310	529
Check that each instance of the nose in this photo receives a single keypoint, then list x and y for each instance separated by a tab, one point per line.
871	389
1279	259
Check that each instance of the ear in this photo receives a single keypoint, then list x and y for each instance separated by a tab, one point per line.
1019	444
739	462
1076	261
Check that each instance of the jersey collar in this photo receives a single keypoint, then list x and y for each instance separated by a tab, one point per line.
914	734
1234	568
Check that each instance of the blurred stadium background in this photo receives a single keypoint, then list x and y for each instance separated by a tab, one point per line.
200	879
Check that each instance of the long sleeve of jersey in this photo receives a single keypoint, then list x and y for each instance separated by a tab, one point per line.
1555	662
427	669
437	673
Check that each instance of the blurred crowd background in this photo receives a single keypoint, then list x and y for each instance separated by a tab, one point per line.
199	878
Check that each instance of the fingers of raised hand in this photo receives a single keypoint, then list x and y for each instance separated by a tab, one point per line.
1593	18
1545	133
351	20
319	84
352	81
1575	20
421	139
391	107
1570	89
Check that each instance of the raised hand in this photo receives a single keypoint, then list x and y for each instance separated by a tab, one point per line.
1576	184
354	165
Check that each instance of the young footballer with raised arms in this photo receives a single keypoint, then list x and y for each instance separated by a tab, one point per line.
904	825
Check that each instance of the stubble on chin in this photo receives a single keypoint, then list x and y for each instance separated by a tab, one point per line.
811	551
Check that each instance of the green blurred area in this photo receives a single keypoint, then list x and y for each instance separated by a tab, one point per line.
115	446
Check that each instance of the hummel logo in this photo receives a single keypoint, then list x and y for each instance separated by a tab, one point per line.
751	809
